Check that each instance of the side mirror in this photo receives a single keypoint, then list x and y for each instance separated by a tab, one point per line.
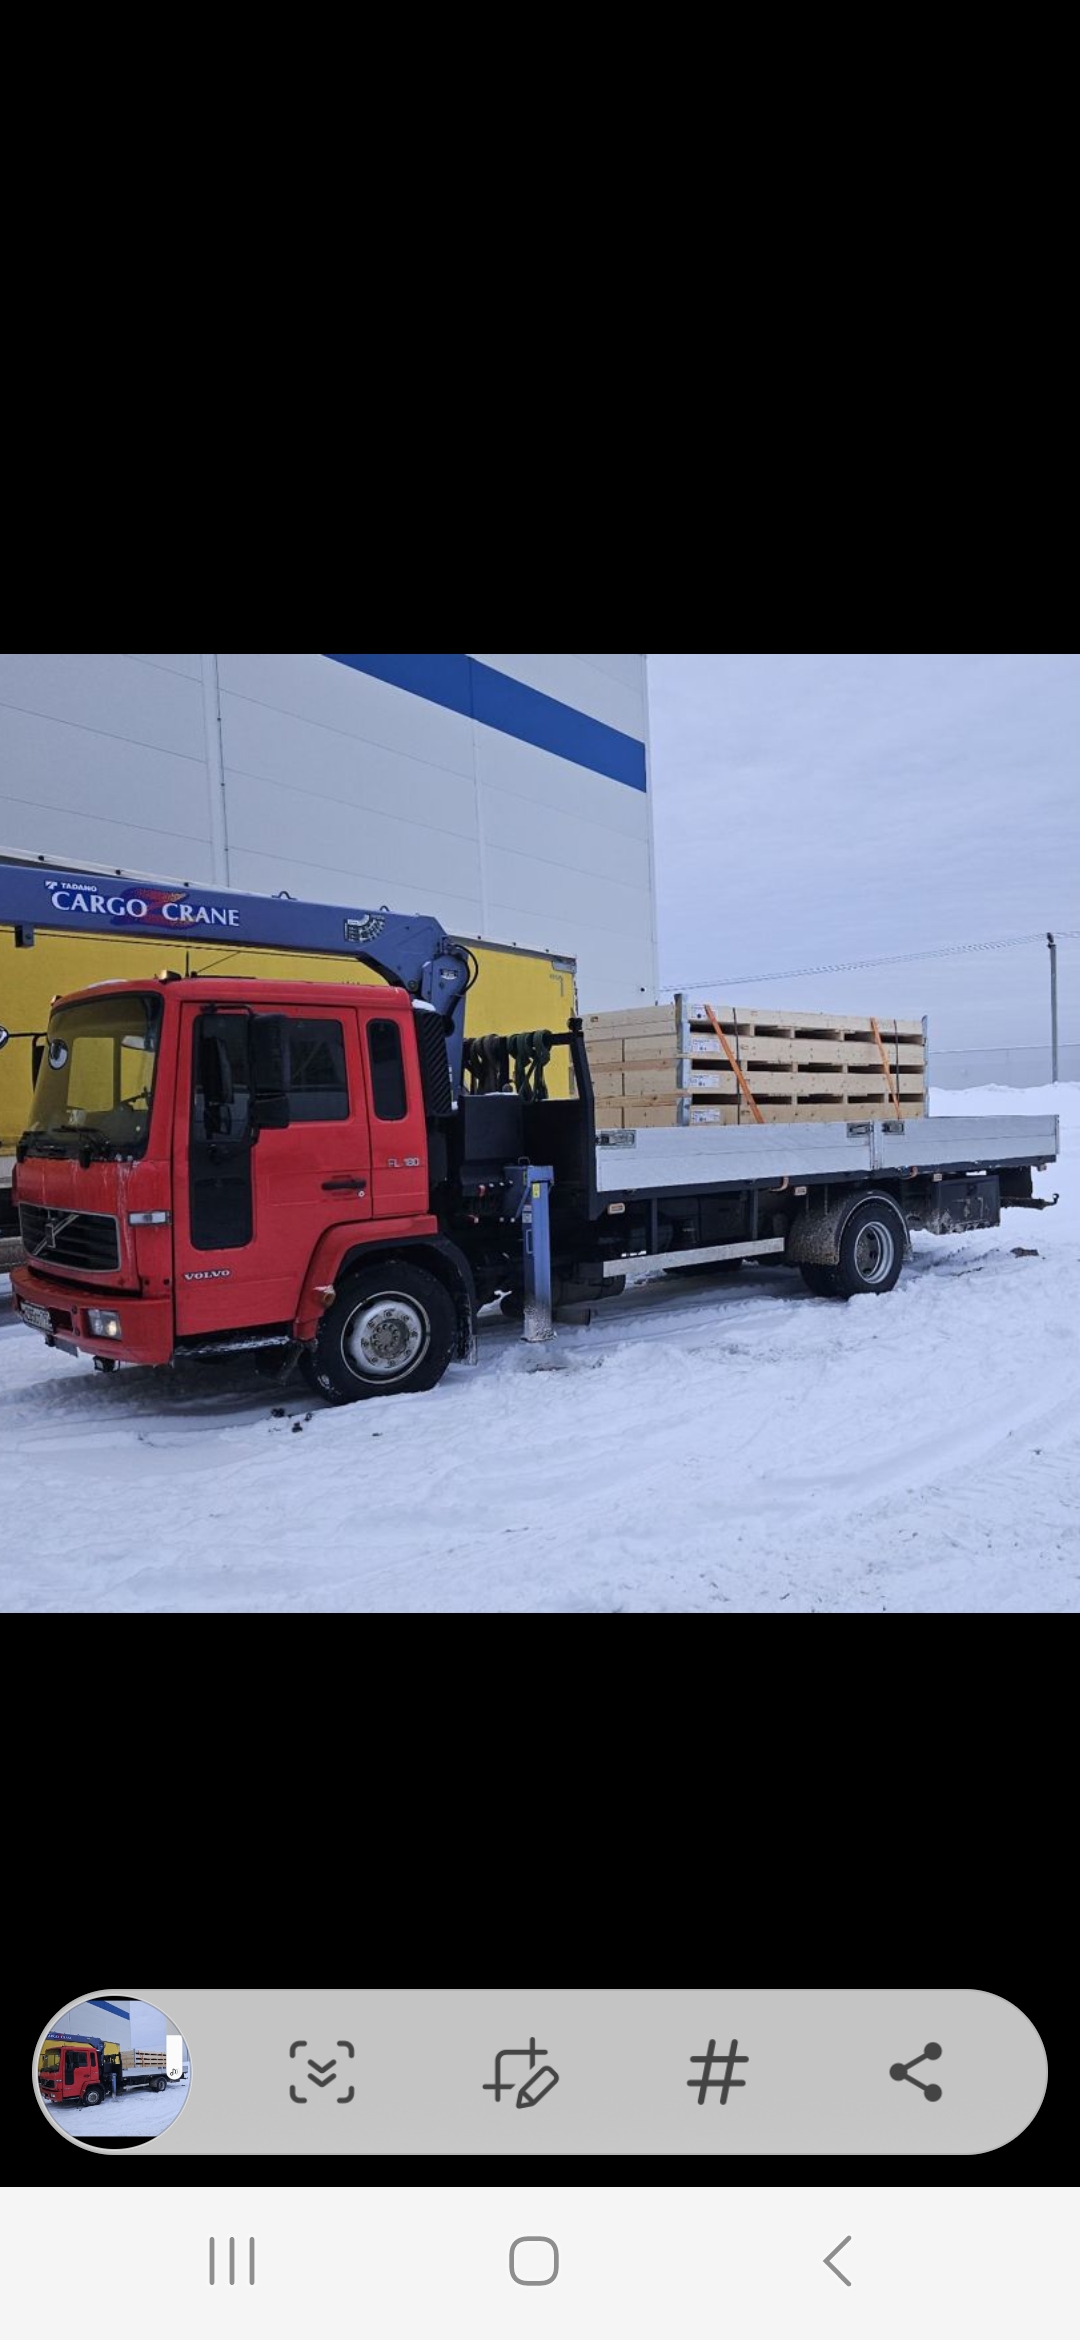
270	1113
215	1070
268	1045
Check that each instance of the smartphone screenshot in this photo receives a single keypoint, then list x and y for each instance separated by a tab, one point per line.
541	2165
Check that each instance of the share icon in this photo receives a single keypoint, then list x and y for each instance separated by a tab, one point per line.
904	2071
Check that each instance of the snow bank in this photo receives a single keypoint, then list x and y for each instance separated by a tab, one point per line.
142	2113
710	1445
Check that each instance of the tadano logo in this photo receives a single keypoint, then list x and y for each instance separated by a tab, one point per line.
145	905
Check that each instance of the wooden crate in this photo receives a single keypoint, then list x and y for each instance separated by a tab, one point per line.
650	1068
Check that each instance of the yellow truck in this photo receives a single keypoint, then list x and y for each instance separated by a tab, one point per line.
61	930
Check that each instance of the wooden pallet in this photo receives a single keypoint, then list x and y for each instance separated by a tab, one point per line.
658	1022
659	1066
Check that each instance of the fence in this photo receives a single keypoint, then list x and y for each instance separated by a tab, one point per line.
1014	1068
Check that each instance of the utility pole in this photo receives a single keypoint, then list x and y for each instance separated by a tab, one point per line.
1053	1010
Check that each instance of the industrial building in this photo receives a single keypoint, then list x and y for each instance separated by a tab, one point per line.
507	795
137	2028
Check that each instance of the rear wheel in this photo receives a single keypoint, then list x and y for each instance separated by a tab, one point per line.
156	2087
821	1280
392	1328
871	1251
871	1256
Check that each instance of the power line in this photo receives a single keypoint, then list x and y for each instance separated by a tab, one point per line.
1011	942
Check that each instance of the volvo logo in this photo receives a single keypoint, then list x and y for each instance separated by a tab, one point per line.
205	1275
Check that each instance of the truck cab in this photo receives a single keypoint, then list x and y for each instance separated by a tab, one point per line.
77	2071
203	1157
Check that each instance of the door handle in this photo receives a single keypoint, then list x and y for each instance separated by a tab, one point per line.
344	1185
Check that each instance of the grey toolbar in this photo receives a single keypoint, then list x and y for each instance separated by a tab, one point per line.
544	2072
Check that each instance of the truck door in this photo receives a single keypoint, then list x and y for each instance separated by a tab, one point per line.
399	1160
251	1203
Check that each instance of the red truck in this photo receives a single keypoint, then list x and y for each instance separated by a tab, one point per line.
74	2068
218	1166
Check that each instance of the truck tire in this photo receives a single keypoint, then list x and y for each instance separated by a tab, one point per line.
92	2096
156	2087
871	1255
820	1280
391	1329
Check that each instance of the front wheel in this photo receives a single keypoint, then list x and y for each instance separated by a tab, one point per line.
392	1328
92	2096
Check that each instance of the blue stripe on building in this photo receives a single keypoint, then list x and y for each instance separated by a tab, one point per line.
469	688
125	2012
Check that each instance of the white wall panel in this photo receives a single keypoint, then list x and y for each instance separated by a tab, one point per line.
296	824
81	838
322	692
629	670
318	762
612	970
555	788
125	786
514	822
577	683
190	664
122	697
521	882
314	881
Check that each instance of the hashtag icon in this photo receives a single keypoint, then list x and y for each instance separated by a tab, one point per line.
724	2084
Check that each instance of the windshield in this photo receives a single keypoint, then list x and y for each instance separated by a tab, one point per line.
96	1077
50	2061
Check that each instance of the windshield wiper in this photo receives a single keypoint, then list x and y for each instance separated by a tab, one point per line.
94	1146
88	1145
36	1142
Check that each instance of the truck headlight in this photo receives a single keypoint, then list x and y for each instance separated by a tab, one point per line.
104	1323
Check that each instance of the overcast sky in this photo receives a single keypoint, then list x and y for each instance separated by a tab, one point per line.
834	807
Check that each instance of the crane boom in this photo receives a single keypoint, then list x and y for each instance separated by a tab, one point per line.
413	952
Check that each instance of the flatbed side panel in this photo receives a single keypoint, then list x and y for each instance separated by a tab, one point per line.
660	1160
984	1139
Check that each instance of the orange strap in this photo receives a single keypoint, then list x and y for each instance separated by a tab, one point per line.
734	1063
889	1082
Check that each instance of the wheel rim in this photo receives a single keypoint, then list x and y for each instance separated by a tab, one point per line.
875	1251
388	1336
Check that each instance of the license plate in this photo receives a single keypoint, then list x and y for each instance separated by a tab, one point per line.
38	1317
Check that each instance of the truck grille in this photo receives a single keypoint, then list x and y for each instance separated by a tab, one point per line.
85	1240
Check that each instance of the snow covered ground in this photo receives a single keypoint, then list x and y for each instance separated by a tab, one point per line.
725	1444
142	2113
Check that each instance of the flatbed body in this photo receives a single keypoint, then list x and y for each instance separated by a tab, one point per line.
655	1161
